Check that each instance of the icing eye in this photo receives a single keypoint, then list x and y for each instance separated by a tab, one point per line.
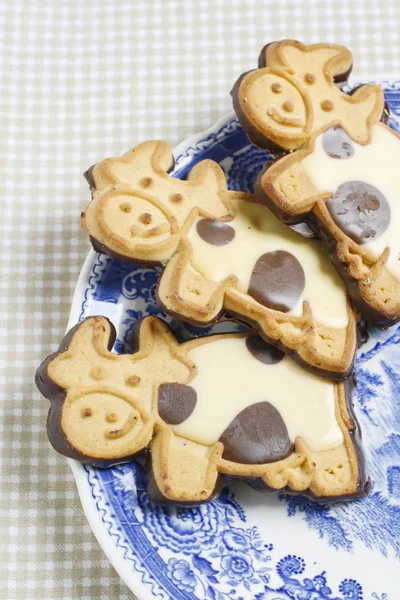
86	412
337	144
327	105
145	218
133	380
125	207
215	232
146	182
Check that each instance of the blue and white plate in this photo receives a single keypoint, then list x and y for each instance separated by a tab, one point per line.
246	545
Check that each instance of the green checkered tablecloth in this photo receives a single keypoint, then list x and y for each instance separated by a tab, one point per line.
82	80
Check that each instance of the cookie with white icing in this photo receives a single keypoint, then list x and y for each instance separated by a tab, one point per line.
348	193
268	276
295	93
225	253
212	408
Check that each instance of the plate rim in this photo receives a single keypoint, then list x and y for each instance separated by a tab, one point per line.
132	578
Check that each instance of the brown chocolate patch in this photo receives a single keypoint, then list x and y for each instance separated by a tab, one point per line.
336	143
360	210
215	232
277	280
262	351
258	435
176	402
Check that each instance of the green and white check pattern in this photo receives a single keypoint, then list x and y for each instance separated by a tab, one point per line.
82	80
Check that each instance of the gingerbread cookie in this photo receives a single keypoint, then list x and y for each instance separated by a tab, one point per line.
293	95
244	262
212	408
138	212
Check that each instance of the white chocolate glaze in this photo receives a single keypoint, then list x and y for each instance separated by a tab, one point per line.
230	379
377	164
258	231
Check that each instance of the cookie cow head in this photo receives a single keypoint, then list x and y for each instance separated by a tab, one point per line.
138	211
201	415
293	95
102	407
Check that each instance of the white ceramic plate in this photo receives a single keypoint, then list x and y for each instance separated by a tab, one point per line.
246	545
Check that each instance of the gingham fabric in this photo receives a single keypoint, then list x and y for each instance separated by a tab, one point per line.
80	81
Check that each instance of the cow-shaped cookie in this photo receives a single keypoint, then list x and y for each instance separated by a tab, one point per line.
228	405
349	193
343	180
244	262
293	94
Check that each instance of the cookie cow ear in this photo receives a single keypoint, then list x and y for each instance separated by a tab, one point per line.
151	156
92	338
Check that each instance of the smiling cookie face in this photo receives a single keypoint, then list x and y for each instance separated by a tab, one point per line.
133	224
274	104
102	425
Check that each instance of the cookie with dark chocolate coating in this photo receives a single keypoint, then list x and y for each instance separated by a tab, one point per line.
348	192
294	94
203	419
267	276
224	253
340	179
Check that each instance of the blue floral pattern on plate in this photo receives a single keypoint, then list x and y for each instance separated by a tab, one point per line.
213	551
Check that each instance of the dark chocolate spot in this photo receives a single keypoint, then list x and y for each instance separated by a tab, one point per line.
257	435
176	402
277	280
360	210
337	144
215	232
262	351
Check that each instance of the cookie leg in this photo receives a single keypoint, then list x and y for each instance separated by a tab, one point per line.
180	470
336	474
184	292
